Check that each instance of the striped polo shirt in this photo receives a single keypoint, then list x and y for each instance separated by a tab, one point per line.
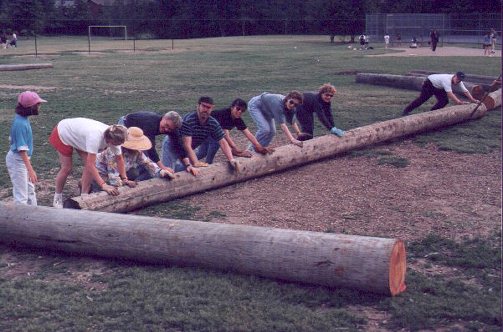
199	132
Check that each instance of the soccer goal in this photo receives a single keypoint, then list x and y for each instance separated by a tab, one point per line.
107	36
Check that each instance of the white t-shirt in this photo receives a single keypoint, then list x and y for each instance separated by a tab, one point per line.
444	81
85	134
386	39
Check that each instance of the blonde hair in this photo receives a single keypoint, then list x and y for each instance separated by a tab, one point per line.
327	88
116	134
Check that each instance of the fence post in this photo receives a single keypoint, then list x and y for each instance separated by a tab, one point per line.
36	49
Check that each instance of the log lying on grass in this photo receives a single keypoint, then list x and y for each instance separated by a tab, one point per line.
397	81
25	66
217	175
367	263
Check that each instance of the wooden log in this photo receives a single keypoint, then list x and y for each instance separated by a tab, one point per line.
398	81
218	175
492	100
25	66
367	263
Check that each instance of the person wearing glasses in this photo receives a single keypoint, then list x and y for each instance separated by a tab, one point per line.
269	108
230	118
319	103
197	127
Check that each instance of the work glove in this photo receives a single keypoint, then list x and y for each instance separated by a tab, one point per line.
337	131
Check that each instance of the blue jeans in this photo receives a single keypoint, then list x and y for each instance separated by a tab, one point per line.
22	188
266	128
169	156
208	149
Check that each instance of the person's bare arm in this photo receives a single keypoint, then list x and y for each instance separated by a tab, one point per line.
289	135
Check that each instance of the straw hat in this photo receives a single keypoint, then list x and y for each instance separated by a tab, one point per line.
136	140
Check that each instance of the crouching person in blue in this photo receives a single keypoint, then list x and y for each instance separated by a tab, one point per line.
197	127
230	118
138	166
319	103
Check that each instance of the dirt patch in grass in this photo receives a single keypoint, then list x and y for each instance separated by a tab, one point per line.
440	51
452	195
27	87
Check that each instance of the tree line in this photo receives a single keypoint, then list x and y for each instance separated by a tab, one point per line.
204	18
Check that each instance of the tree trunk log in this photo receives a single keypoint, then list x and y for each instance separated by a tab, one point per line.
218	175
368	263
398	81
26	66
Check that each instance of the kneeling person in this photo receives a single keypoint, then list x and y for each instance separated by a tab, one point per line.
138	166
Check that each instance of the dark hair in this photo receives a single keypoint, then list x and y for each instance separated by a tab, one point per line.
294	94
206	99
27	111
460	75
239	103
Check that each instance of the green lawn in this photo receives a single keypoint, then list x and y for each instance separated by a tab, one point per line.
110	83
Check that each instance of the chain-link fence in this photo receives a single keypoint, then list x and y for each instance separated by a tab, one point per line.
452	28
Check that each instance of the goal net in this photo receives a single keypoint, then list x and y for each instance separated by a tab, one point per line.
107	37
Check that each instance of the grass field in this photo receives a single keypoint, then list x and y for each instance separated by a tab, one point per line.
111	82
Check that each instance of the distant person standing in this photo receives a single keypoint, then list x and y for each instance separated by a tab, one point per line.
21	172
487	44
399	39
386	41
434	39
493	35
440	86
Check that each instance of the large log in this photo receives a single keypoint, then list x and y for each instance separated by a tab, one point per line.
26	66
367	263
398	81
217	175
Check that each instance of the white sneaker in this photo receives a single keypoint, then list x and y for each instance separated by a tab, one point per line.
58	201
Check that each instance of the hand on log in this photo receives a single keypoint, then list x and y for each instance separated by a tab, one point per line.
242	153
111	190
166	174
129	183
297	142
234	165
200	164
262	150
336	131
192	170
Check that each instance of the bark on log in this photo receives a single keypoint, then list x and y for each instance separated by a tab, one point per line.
367	263
26	66
398	81
218	175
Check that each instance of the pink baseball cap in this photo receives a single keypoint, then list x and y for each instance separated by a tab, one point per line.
29	98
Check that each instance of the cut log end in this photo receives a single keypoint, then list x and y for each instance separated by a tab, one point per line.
397	268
